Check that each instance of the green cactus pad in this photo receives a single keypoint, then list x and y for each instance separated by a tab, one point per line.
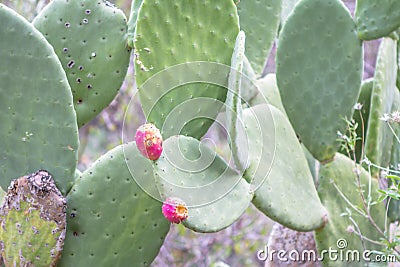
172	32
135	6
38	121
89	37
111	220
249	89
313	164
288	189
260	20
337	180
379	137
141	170
377	18
268	92
318	76
215	194
234	101
33	222
361	116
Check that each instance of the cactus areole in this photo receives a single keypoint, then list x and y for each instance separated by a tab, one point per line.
175	210
149	141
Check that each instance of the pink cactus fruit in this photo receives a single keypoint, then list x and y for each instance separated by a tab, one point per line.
175	210
149	141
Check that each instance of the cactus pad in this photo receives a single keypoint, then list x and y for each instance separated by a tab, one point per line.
313	164
33	221
268	92
111	220
288	189
89	37
260	21
318	76
215	194
234	102
376	18
361	117
38	121
337	181
135	5
248	89
172	32
379	137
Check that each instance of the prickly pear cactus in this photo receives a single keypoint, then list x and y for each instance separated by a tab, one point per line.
215	194
340	194
379	138
111	220
260	20
135	5
275	185
89	37
361	117
172	32
313	164
268	92
37	118
377	18
33	222
248	89
318	77
234	123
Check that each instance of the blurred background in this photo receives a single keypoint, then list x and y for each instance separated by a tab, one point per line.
235	246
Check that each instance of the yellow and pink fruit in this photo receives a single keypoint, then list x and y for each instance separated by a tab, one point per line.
149	141
175	210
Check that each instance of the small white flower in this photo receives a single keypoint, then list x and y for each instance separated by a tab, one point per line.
358	106
386	117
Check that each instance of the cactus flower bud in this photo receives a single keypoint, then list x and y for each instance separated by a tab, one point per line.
175	210
149	141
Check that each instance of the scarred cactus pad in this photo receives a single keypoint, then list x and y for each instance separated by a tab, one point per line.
149	141
175	210
33	221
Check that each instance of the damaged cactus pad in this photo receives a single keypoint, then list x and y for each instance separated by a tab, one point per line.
33	221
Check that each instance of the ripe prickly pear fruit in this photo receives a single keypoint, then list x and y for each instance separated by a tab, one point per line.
175	210
149	141
33	220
